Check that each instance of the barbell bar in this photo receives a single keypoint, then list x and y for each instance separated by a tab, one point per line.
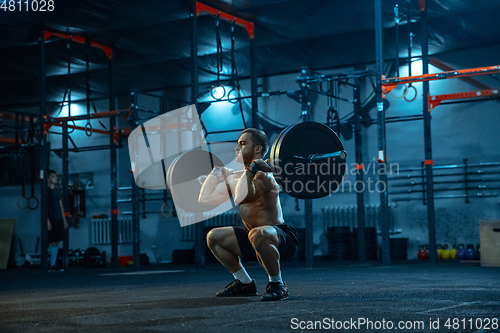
307	160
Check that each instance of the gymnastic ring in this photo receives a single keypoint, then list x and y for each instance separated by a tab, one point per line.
169	210
214	88
72	128
406	92
36	205
20	206
233	100
89	130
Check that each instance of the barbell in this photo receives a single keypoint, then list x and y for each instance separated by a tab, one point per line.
307	160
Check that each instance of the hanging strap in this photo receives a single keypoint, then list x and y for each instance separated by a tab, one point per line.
337	115
234	90
69	75
410	37
95	110
233	59
220	63
396	27
33	200
23	201
69	84
88	127
235	77
331	109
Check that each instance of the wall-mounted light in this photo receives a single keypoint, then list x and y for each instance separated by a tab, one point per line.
76	109
218	92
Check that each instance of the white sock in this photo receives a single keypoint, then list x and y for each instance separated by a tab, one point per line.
276	278
53	255
243	276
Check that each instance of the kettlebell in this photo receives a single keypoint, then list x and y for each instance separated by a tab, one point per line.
478	252
440	251
423	253
460	255
453	252
445	254
470	253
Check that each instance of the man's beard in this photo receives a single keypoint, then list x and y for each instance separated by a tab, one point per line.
239	158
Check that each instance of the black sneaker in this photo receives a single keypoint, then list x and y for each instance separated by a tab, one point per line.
276	291
236	288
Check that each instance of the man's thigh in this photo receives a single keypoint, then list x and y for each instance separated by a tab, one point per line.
226	238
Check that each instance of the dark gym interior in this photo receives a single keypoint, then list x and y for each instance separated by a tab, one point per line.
382	123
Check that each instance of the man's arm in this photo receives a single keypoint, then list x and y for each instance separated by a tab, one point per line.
64	216
213	191
250	187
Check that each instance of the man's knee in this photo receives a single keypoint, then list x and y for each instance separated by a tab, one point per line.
263	236
213	237
218	236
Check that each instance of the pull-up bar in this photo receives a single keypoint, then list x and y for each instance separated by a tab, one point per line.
435	100
247	25
336	76
57	121
391	83
108	50
107	114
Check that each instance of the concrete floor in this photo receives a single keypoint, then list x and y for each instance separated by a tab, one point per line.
171	298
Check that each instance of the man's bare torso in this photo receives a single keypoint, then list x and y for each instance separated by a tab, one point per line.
265	210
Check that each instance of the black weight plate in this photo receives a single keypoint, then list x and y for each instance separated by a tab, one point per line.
315	180
181	179
272	160
275	162
277	165
280	179
91	257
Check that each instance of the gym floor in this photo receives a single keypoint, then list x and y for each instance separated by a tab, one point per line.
175	298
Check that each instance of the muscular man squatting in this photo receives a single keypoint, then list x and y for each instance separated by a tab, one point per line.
266	238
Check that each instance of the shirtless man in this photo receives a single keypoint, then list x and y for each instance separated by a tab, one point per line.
266	238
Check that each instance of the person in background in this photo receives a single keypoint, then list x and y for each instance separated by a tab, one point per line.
56	221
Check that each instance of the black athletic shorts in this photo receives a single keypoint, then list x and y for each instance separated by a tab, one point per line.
288	242
56	234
